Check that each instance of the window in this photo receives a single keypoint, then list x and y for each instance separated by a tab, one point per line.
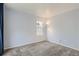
39	27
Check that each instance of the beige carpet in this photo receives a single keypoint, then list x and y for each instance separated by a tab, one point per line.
43	48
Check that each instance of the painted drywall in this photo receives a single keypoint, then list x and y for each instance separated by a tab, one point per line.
65	29
19	28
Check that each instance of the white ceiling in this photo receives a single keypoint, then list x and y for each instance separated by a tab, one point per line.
41	9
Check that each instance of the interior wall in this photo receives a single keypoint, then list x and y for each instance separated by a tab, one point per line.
19	28
65	29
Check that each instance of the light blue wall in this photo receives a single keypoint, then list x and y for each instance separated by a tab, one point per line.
66	29
19	28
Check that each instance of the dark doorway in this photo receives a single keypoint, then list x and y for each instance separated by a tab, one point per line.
1	29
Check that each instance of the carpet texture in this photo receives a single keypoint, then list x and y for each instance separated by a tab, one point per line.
43	48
